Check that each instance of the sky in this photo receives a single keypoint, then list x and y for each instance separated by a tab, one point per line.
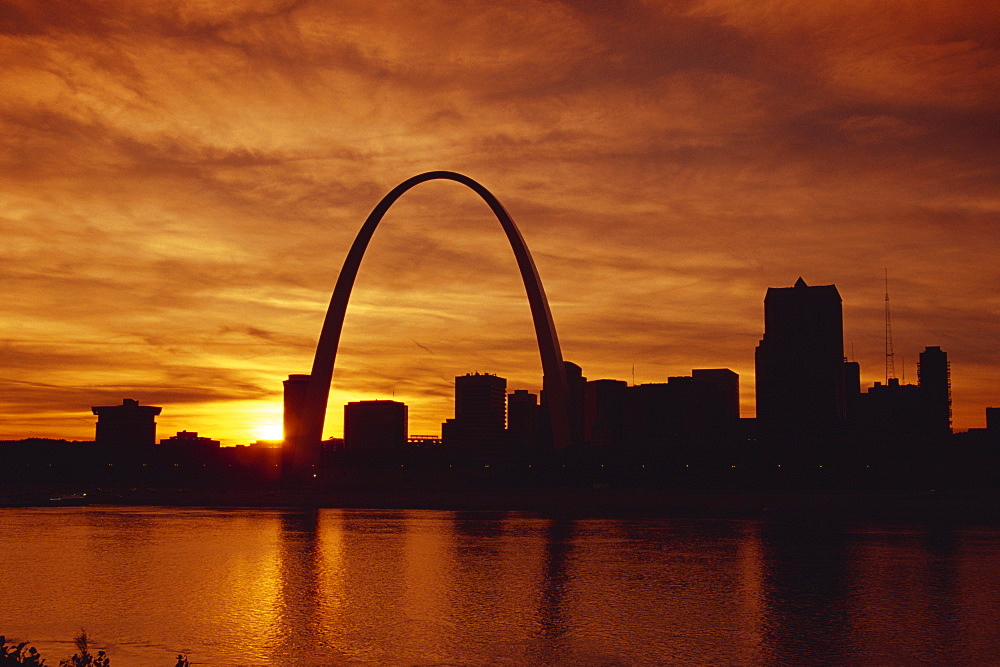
180	182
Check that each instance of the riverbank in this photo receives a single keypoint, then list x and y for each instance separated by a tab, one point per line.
972	506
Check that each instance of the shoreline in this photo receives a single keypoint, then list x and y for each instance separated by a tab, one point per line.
980	506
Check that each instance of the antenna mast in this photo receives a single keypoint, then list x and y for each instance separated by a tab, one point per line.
890	366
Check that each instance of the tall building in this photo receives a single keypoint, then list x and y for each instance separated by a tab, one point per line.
687	418
375	426
523	420
934	379
890	419
295	388
993	420
800	365
480	416
727	384
604	413
576	385
128	425
852	388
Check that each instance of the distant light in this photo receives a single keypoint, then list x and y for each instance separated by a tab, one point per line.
314	474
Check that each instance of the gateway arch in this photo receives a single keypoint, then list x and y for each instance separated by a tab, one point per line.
306	397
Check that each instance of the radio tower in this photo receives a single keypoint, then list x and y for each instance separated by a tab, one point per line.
890	366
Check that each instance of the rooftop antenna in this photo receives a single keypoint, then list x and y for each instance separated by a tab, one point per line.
890	366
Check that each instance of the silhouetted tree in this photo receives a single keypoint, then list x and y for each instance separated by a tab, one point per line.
84	658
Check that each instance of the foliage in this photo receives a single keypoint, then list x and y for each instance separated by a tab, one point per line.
20	654
85	658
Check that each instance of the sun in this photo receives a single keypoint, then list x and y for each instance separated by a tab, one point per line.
269	431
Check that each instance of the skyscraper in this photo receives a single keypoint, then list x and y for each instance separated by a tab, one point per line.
934	379
576	385
480	416
523	420
800	365
293	449
604	413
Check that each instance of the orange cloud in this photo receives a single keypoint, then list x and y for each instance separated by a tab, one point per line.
180	182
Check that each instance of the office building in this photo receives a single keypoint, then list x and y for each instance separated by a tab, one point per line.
191	441
480	416
800	372
523	420
934	379
128	425
375	426
604	413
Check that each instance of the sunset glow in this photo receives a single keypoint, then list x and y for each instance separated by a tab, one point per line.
180	182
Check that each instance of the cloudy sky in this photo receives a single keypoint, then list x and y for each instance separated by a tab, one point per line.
180	182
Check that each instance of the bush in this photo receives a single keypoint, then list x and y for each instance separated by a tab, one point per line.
21	654
84	658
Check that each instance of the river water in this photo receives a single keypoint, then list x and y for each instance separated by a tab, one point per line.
421	587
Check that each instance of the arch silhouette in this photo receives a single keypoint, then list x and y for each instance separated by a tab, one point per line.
307	427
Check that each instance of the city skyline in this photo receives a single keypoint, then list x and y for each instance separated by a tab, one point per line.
181	185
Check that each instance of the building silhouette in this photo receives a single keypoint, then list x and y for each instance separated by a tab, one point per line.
890	420
686	418
295	388
375	427
523	421
934	379
604	414
852	388
727	386
801	398
478	430
128	425
190	440
993	420
576	386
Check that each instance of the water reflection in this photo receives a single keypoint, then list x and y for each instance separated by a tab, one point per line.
806	589
556	583
942	586
279	587
300	571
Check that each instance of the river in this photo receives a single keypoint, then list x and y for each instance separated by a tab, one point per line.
423	587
